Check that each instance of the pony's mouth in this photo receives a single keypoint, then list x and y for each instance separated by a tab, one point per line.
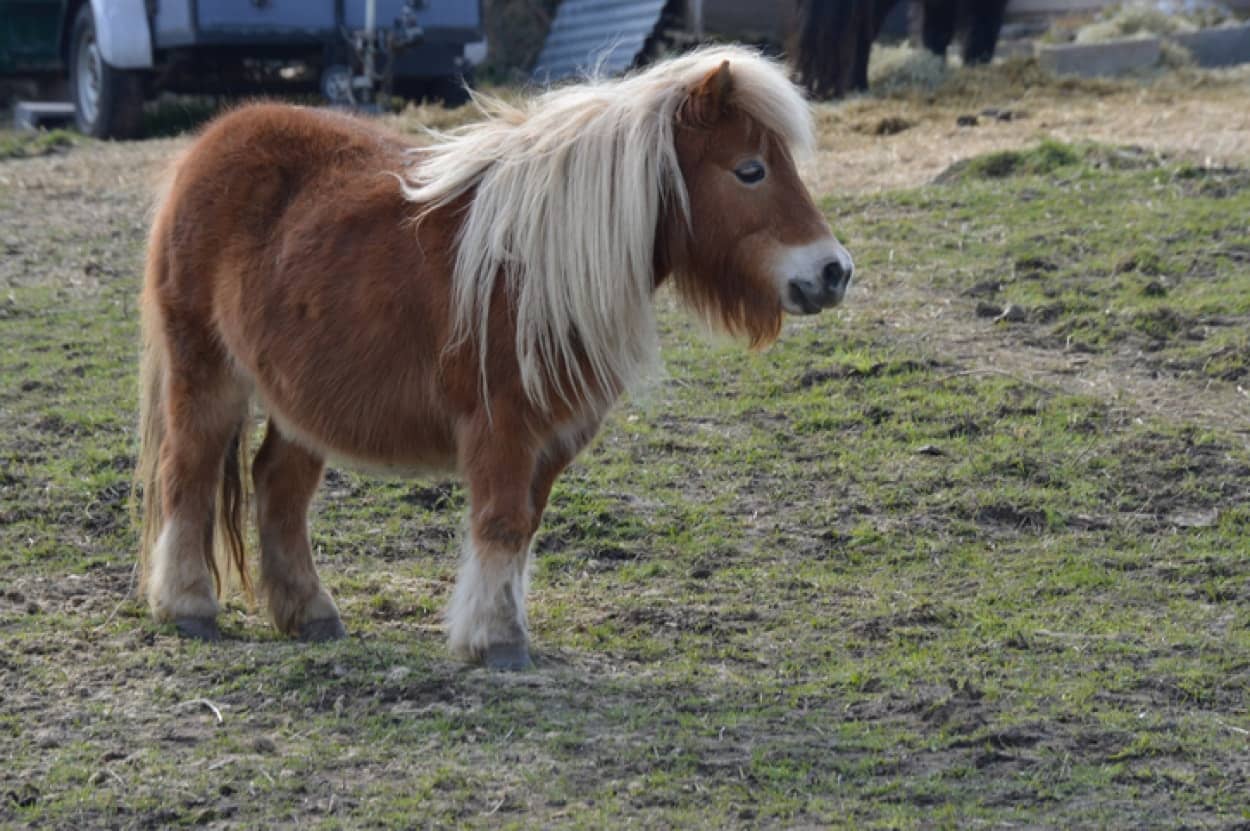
807	299
800	300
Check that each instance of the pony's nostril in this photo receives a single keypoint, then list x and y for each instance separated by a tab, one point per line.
834	275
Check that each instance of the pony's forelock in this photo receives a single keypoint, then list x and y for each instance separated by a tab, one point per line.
567	190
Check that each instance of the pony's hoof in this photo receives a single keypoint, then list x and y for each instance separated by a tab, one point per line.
326	629
510	657
198	628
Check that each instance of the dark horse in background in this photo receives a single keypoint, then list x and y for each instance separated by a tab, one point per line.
835	37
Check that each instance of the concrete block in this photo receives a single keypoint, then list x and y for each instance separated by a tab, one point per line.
1092	60
32	115
1008	49
1218	46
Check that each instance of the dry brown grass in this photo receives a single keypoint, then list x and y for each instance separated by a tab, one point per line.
908	133
1200	116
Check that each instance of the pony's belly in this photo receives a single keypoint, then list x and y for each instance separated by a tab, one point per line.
422	449
405	469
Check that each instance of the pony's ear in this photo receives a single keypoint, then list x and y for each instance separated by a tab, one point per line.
708	99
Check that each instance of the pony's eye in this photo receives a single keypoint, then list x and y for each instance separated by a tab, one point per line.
750	172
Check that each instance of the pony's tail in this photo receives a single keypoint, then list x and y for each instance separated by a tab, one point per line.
230	517
145	491
228	551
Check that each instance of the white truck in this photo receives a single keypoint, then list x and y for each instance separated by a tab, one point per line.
115	54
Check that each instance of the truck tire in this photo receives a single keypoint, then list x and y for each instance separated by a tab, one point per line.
108	102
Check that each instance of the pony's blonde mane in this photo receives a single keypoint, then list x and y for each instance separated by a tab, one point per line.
567	193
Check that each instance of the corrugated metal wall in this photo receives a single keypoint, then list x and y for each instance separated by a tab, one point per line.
608	33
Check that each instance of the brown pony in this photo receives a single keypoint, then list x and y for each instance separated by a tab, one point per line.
475	305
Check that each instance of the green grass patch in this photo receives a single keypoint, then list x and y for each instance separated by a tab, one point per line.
858	578
1101	251
25	144
1046	158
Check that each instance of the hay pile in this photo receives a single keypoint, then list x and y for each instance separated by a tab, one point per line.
901	68
903	73
1142	18
1150	18
1134	20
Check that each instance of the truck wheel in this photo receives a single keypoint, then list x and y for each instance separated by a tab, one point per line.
108	102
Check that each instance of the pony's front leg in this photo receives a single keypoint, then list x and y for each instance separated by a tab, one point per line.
486	620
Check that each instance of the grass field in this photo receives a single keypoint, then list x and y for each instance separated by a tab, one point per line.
969	552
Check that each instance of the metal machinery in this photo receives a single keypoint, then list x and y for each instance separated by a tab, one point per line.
117	53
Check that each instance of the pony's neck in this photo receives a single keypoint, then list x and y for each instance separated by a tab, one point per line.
669	244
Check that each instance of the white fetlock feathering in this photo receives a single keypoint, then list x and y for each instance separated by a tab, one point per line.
179	586
488	604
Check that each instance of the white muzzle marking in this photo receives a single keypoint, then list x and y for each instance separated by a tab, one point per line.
814	276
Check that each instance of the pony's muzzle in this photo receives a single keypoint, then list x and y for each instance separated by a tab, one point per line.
810	295
814	276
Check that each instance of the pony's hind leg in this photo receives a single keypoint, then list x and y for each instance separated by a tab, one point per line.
286	476
204	410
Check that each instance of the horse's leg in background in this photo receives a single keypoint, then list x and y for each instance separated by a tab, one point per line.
938	25
829	48
871	18
865	34
985	21
286	476
880	11
817	63
205	406
854	46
